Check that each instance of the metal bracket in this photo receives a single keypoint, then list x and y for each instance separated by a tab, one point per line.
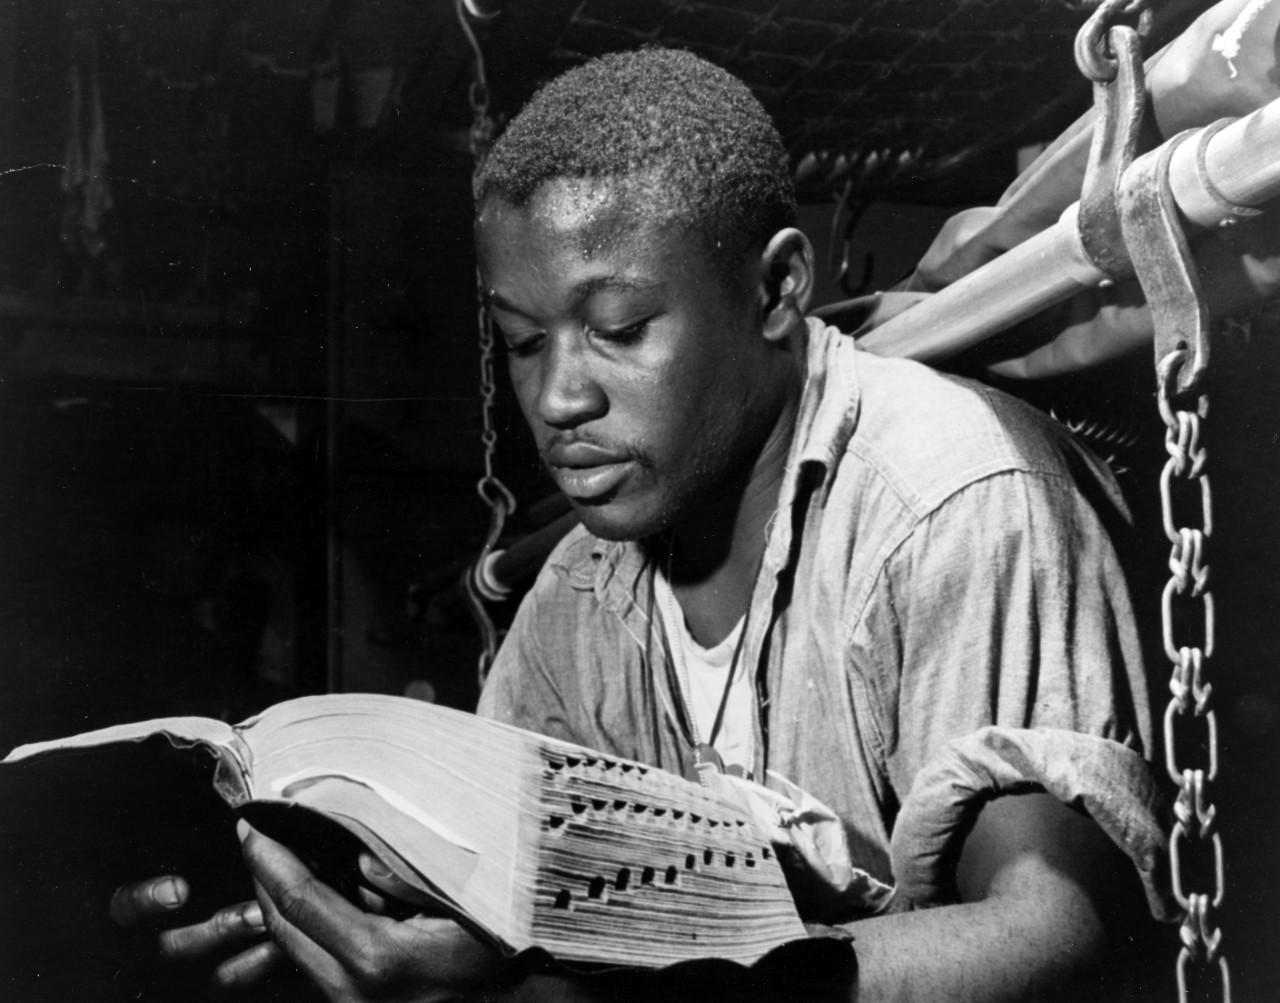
1119	103
1162	262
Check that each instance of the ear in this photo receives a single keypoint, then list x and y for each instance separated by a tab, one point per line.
786	282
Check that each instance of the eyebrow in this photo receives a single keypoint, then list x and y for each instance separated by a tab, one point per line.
583	291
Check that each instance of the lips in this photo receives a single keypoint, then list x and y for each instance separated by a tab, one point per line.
590	483
585	471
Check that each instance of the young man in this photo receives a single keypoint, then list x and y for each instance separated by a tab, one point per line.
896	589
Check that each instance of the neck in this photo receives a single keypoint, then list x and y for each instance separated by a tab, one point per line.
714	555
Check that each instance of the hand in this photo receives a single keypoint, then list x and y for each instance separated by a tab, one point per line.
231	946
353	953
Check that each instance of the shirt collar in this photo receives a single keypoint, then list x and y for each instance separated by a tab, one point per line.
830	403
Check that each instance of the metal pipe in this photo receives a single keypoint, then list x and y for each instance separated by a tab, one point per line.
504	571
1241	162
1044	269
1238	163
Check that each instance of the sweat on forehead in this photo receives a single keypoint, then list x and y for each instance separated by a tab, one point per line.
602	211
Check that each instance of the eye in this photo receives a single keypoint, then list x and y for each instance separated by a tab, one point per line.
521	346
621	335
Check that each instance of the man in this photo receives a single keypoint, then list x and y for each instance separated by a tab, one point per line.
893	588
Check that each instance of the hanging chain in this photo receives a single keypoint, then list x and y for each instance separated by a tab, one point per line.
1136	195
1190	722
482	123
495	494
1164	266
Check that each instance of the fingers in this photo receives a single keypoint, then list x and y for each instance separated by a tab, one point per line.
221	947
321	967
391	885
351	954
316	927
374	902
248	968
290	892
227	929
141	903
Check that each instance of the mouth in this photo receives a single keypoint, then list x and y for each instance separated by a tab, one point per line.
587	472
591	483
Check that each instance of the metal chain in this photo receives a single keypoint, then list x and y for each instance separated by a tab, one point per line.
494	493
1190	722
1156	248
482	123
1092	48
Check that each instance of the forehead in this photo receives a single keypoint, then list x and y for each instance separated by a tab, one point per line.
588	217
574	205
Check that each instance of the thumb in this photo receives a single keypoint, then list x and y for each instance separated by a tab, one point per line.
385	881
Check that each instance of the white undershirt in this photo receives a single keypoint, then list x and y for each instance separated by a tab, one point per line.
701	673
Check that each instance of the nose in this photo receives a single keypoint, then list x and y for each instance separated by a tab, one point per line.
569	392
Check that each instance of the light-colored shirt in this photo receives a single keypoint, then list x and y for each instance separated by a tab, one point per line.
709	678
946	616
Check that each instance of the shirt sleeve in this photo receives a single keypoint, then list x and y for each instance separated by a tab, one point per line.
1109	781
521	689
1003	620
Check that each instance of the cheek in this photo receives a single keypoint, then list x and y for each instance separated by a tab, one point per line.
697	423
526	385
702	395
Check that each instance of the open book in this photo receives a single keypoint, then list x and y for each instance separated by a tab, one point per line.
532	842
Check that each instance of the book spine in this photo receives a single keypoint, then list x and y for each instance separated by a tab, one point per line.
232	778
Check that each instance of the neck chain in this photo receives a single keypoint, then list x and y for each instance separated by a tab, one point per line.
674	616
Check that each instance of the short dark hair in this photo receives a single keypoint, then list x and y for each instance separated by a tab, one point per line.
662	115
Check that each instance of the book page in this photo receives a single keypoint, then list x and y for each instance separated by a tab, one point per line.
639	866
181	731
444	790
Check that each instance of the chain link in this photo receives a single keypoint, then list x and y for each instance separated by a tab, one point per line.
1092	49
489	487
1190	722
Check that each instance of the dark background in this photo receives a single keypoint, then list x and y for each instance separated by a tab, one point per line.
240	406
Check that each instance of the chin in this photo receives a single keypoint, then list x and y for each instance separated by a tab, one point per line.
611	521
